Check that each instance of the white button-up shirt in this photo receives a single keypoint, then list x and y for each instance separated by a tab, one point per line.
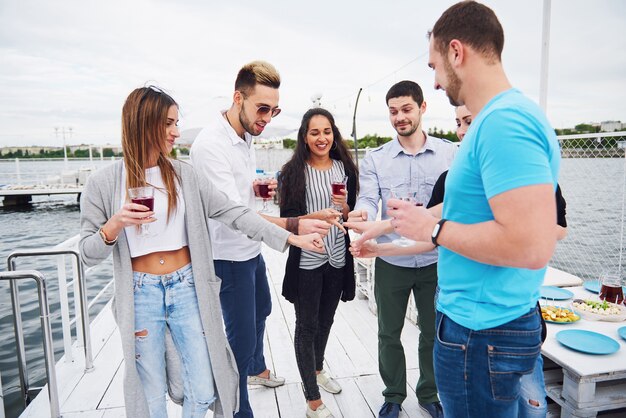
230	163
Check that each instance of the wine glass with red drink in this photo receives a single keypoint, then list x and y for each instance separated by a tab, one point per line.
338	185
611	289
143	196
264	191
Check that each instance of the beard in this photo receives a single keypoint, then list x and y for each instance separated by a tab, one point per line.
454	85
247	125
411	131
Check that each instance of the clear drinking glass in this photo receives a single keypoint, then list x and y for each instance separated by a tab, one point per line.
264	190
611	289
404	192
338	184
143	196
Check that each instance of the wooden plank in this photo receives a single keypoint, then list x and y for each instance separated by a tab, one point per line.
92	386
350	402
359	356
371	387
84	414
263	402
291	400
114	413
279	348
114	395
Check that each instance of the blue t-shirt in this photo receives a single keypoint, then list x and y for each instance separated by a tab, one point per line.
510	144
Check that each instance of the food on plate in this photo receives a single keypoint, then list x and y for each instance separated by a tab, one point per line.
558	314
597	307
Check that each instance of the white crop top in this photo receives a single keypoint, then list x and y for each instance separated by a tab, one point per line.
164	235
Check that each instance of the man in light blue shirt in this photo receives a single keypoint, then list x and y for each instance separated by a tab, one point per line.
415	160
496	231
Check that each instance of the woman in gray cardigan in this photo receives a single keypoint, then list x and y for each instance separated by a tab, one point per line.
166	282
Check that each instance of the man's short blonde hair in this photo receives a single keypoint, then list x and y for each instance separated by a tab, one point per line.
256	72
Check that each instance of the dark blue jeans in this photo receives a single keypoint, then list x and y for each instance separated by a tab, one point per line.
319	291
478	372
246	303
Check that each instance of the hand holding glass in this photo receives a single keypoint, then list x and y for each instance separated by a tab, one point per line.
143	196
264	191
403	192
338	185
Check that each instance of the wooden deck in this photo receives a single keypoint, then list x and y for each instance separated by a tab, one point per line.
351	357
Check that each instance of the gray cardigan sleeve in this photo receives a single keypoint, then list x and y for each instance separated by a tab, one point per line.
93	215
237	216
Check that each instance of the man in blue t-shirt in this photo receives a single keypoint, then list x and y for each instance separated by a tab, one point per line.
496	231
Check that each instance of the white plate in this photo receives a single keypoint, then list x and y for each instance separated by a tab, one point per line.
592	316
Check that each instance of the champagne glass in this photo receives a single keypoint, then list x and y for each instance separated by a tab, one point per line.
338	185
403	192
143	196
264	191
611	289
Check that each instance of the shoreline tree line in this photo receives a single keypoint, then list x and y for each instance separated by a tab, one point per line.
368	141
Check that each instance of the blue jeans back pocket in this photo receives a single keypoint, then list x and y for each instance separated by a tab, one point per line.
506	367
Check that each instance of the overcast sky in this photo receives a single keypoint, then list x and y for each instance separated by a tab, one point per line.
71	63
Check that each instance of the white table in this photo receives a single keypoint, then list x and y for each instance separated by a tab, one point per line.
591	383
560	278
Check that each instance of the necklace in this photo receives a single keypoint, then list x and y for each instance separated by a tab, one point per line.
231	125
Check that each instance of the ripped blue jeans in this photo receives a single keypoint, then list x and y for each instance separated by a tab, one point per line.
170	301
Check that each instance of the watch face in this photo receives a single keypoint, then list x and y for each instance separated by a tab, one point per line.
435	231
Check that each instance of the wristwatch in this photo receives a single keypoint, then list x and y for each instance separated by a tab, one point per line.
105	239
437	231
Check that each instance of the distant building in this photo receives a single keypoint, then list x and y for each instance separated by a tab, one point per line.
272	137
31	150
612	126
266	143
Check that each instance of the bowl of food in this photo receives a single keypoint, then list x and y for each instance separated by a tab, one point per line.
599	310
558	315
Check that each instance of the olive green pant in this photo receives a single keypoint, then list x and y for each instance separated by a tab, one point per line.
392	289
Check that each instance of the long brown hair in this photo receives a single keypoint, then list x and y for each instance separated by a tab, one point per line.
144	119
292	179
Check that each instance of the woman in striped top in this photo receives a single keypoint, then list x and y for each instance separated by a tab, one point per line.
316	282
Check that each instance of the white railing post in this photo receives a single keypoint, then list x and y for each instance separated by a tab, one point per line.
18	174
1	400
65	314
77	301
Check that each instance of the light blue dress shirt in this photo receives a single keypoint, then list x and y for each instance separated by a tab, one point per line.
390	165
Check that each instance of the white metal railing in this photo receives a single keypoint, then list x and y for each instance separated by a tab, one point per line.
46	331
592	178
68	248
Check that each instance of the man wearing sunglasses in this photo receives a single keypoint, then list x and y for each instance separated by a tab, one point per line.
223	152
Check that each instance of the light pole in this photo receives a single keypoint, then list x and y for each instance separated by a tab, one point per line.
64	150
356	146
56	134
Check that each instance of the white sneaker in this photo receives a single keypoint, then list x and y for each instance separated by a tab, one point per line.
272	381
320	412
327	383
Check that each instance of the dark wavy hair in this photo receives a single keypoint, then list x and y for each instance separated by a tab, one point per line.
292	182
